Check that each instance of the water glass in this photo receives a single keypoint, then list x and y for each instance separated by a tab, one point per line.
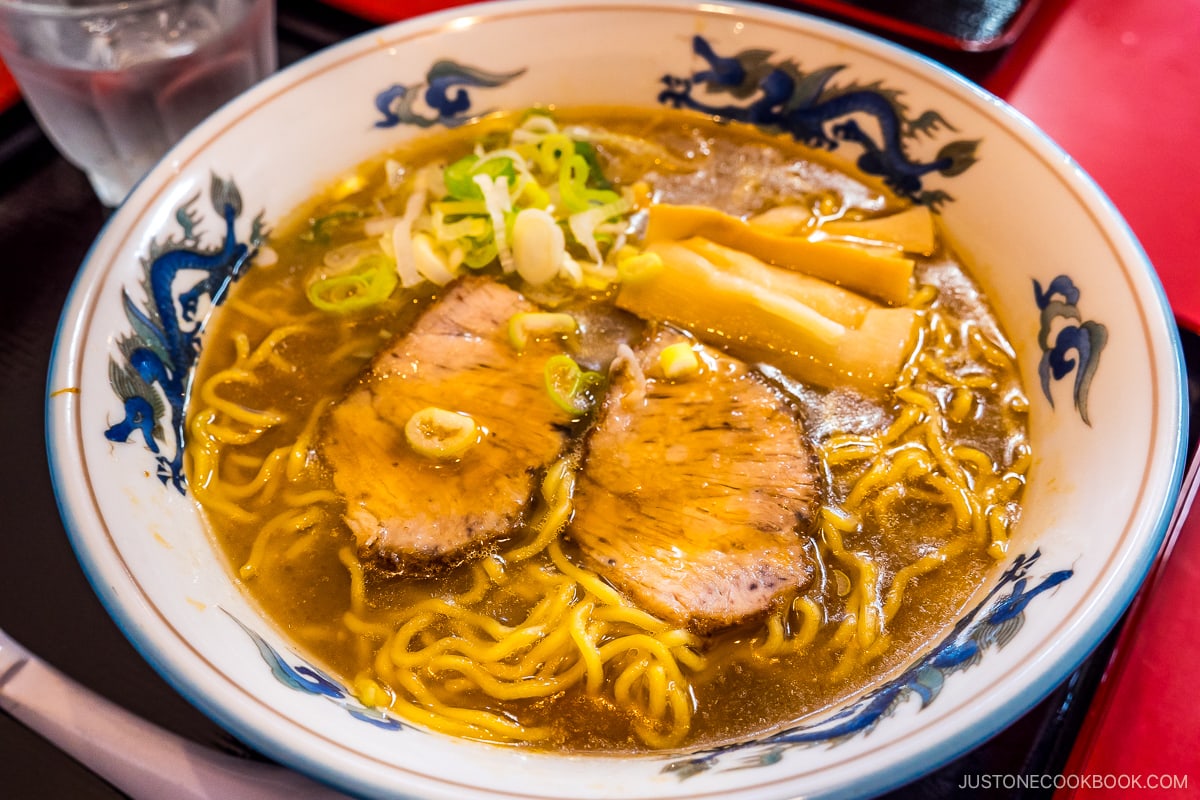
115	84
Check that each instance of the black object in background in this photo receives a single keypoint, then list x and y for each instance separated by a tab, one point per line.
971	25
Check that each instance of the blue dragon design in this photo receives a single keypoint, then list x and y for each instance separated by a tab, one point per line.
308	679
444	94
992	623
778	96
159	353
1085	338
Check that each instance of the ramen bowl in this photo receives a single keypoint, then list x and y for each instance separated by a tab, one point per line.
1089	324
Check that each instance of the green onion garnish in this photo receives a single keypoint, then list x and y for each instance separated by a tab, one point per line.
437	433
371	281
570	387
526	327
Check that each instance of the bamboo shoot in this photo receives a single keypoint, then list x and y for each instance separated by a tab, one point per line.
911	230
838	304
877	272
761	323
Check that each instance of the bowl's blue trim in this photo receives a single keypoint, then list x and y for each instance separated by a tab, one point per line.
881	779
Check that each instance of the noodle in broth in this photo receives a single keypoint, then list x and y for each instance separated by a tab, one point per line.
527	645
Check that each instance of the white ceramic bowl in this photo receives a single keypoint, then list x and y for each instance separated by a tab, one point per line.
1048	247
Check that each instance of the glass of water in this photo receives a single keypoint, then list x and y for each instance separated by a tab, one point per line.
115	84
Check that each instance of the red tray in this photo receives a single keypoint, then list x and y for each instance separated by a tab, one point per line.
1115	84
1142	732
8	89
392	10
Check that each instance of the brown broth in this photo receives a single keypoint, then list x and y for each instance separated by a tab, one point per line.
304	587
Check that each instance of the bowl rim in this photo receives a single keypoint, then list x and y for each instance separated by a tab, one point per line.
271	736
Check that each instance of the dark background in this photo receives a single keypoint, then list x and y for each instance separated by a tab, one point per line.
48	219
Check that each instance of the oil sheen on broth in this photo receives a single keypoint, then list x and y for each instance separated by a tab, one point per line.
654	269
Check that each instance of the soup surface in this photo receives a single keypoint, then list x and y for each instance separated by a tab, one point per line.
608	430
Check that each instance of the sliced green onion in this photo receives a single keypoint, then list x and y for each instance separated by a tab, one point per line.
572	183
588	151
370	282
322	228
553	151
583	224
570	387
597	276
457	177
537	119
456	208
460	176
437	433
401	236
429	264
573	188
479	252
463	228
526	327
499	204
347	256
532	195
520	200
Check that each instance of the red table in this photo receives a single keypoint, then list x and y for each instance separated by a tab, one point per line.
8	89
1117	84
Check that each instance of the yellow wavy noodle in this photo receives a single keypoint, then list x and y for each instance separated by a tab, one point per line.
275	297
450	663
578	633
290	522
790	628
303	546
915	459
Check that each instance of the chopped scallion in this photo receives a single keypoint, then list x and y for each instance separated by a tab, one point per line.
370	282
553	151
527	327
570	387
322	228
440	434
460	176
572	187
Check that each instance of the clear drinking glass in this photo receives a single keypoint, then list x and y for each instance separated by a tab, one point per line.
115	84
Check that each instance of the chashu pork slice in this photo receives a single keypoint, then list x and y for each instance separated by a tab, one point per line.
695	494
416	513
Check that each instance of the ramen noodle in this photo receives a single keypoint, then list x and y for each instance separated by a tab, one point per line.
582	289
